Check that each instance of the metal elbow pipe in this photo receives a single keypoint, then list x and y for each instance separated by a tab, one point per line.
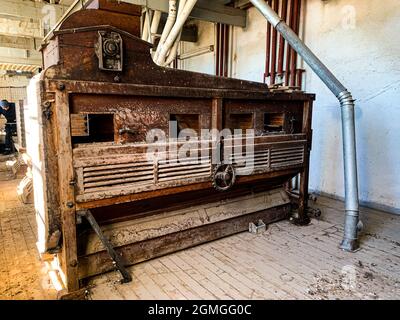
349	242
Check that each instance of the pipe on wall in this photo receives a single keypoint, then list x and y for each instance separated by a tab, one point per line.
274	47
288	47
296	27
281	54
267	49
349	242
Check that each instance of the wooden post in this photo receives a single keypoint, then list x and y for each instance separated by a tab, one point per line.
217	114
69	259
303	218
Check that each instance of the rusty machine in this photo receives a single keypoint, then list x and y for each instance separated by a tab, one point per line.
100	202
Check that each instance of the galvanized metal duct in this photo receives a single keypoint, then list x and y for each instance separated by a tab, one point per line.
349	242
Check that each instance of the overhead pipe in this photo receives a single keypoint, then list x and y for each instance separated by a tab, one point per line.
174	50
149	22
154	25
349	242
145	32
176	29
167	28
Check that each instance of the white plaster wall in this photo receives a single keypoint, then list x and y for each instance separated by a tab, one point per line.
204	63
248	52
359	40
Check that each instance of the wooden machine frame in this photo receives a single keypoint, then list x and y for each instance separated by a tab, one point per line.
72	86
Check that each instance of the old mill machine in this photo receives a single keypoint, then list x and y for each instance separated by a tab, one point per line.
101	202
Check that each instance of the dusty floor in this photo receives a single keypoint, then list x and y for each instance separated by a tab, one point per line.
285	262
22	274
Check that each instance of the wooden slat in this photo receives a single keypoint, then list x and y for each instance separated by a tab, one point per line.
79	125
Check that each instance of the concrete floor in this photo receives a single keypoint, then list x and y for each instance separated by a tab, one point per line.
285	262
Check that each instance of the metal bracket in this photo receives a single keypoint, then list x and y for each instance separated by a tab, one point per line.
116	258
258	227
109	50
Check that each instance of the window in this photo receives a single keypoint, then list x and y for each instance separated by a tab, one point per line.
95	127
274	122
241	121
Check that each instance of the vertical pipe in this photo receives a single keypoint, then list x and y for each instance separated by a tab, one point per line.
296	26
299	81
274	45
217	53
167	28
288	47
154	25
282	39
174	50
226	53
349	242
267	48
145	31
221	51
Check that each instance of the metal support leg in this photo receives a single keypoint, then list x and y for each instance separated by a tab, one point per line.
117	261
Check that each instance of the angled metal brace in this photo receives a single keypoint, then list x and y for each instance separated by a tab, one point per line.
116	258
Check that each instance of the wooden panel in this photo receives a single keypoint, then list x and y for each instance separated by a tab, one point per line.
84	18
79	125
145	228
141	251
108	177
